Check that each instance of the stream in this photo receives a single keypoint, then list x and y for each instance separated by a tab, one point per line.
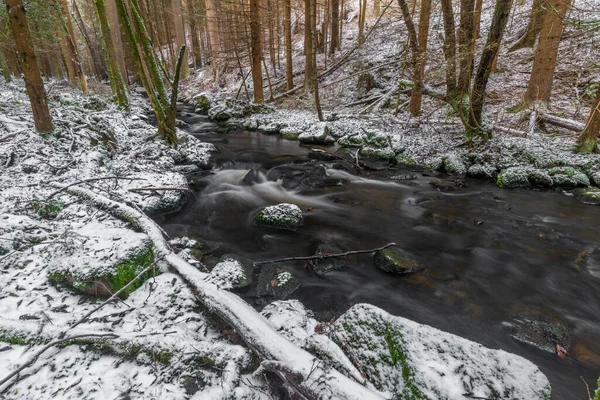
490	254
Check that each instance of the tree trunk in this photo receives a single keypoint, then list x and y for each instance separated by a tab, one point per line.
213	34
376	8
490	51
544	61
308	44
362	16
449	47
29	66
271	29
416	95
256	52
477	19
180	35
313	80
72	45
587	142
99	67
287	27
115	31
194	34
536	17
114	73
416	53
4	69
335	26
466	44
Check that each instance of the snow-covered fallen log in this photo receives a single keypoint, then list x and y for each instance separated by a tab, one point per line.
562	122
301	370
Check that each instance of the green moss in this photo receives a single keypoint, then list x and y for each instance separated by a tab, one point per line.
127	270
3	251
597	396
47	208
19	339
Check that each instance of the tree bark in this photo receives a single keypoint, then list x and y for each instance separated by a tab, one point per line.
362	16
466	44
287	27
587	142
194	34
99	67
335	26
308	44
546	51
449	47
255	33
536	17
72	45
416	95
416	54
213	34
4	69
376	7
180	35
490	51
114	73
115	31
29	65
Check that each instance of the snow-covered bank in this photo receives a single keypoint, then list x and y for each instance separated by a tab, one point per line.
63	252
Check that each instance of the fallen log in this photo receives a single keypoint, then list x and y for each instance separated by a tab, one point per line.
510	131
308	375
562	122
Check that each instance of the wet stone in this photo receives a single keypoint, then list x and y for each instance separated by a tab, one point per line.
395	260
326	265
274	281
282	216
541	330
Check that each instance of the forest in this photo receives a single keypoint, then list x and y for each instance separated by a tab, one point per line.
300	199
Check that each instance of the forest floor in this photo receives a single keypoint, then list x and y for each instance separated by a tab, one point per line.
427	141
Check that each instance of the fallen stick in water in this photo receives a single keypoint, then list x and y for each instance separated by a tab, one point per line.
325	256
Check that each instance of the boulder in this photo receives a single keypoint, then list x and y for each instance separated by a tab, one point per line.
538	177
540	329
568	177
232	272
282	216
203	101
395	260
454	165
274	281
366	82
595	177
589	195
513	177
408	360
100	259
321	155
316	134
272	128
317	178
482	171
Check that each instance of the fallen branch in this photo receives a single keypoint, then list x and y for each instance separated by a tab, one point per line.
48	346
103	178
258	333
325	256
157	189
510	131
562	122
364	101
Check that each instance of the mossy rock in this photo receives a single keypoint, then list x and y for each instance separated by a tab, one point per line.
454	165
589	195
274	281
326	265
317	134
395	260
282	216
514	177
232	272
412	361
568	177
101	260
356	140
539	178
203	101
482	171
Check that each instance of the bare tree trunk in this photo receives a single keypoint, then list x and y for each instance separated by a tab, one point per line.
416	95
314	82
29	66
376	7
180	35
72	45
544	61
113	20
271	29
416	54
194	34
335	26
490	52
4	69
341	25
449	47
99	66
308	44
287	27
256	55
114	73
477	19
362	16
536	17
213	34
466	43
587	142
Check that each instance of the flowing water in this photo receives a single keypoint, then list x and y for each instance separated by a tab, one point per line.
490	254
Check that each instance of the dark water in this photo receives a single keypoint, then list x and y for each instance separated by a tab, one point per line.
490	254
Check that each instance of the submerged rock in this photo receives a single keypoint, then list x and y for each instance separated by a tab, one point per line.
589	195
316	134
317	178
326	265
282	216
98	260
276	282
321	155
395	260
541	330
408	360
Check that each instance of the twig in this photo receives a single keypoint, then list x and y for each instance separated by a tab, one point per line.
48	346
156	188
103	178
325	256
587	387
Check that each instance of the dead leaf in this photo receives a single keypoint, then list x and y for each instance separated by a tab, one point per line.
274	283
561	351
